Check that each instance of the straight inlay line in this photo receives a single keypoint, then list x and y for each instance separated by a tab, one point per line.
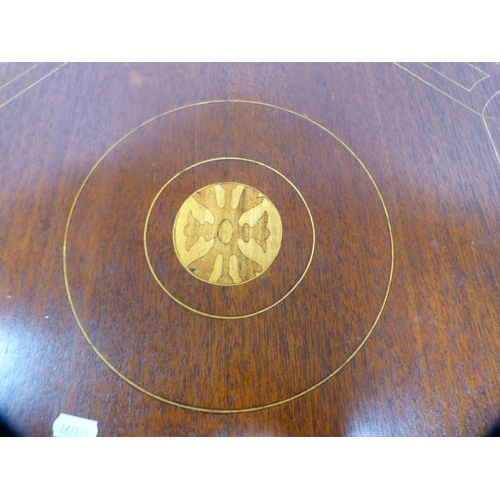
436	88
19	76
32	85
454	81
483	115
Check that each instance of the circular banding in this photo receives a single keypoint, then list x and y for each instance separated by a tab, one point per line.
238	316
277	401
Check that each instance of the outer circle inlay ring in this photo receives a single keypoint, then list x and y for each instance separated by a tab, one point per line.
222	410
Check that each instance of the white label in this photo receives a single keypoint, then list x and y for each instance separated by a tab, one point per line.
71	426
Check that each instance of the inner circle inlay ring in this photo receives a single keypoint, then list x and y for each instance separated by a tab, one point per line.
203	313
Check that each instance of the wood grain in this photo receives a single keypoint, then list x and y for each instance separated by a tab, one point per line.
385	177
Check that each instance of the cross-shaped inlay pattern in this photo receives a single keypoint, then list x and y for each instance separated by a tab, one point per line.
227	233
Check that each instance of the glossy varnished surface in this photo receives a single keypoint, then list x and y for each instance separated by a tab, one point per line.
381	174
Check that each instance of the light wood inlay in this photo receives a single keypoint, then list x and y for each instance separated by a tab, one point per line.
227	233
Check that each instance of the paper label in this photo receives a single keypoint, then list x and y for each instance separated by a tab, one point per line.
71	426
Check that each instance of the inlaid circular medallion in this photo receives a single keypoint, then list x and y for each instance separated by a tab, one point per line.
227	233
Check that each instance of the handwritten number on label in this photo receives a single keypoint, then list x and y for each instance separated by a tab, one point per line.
72	431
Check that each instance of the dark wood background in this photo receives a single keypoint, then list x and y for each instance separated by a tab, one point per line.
429	134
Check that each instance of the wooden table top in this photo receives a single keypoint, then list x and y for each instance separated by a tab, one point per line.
251	249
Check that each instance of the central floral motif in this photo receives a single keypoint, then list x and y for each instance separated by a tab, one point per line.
226	241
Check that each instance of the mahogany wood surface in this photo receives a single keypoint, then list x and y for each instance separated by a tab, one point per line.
380	313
